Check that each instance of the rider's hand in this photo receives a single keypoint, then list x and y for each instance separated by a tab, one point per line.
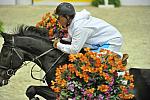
55	41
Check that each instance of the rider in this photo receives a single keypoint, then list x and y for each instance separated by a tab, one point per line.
86	31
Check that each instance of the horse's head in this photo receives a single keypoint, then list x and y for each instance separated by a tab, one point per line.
26	44
11	58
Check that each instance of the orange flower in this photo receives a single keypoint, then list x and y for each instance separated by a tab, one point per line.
79	55
63	83
63	68
53	21
58	72
84	59
121	95
53	82
124	89
131	86
72	57
93	55
126	96
90	91
85	77
98	62
106	77
57	89
51	32
110	58
84	68
71	68
112	70
105	66
103	88
129	77
100	70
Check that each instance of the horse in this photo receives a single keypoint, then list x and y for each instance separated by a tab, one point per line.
30	44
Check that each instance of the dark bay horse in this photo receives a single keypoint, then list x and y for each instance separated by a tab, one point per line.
30	44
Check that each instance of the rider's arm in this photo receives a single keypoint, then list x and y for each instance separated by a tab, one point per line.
79	38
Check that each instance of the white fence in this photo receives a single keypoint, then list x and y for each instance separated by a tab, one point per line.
29	2
7	2
135	2
15	2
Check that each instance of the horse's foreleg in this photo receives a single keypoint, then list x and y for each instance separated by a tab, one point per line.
43	91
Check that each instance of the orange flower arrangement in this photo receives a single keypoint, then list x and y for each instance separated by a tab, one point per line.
50	22
93	76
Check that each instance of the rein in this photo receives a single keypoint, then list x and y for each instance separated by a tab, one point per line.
43	79
37	57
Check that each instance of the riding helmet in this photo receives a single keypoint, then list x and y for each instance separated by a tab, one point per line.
65	9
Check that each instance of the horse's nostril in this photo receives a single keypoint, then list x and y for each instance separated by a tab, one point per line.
4	82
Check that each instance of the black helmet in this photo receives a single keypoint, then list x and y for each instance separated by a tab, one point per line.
65	9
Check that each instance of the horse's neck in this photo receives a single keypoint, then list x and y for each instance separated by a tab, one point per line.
32	44
34	47
49	62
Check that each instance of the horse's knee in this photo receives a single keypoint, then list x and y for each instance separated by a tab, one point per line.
31	92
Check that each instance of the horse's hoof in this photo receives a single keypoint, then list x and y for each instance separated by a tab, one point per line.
35	98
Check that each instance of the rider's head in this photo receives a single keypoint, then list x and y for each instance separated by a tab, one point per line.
65	12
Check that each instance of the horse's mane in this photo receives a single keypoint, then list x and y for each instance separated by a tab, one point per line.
32	31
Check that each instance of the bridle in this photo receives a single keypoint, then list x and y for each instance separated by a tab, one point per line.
10	71
7	72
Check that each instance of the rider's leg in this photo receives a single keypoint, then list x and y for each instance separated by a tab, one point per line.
31	92
45	92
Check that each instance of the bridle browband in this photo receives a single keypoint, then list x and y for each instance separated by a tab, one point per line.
11	71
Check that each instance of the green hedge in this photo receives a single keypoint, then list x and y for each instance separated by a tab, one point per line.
116	3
